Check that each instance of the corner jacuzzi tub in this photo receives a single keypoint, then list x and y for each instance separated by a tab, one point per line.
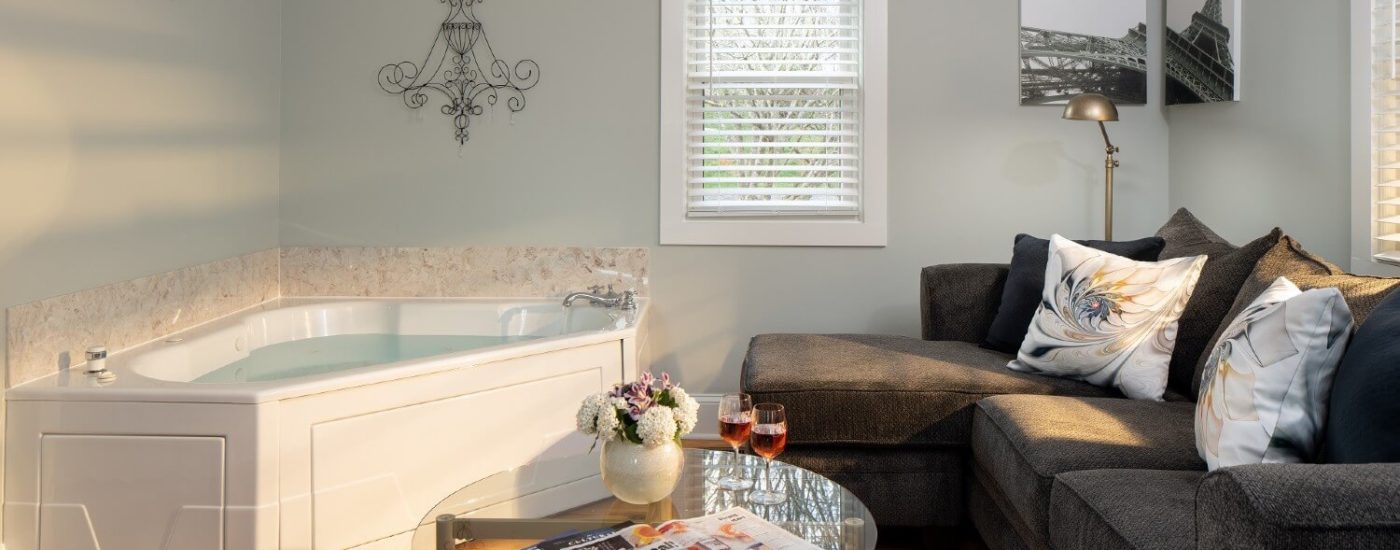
303	423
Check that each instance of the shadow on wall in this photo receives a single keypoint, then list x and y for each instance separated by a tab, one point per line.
135	138
146	32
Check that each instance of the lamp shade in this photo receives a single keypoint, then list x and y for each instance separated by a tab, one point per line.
1091	107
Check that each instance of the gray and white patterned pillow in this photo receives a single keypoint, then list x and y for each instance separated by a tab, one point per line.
1265	388
1108	320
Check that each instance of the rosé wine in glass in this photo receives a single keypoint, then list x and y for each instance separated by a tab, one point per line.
735	424
768	439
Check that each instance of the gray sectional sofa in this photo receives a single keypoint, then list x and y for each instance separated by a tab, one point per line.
938	432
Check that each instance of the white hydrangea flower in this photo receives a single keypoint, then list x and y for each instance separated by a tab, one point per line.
619	403
687	410
607	422
657	426
587	418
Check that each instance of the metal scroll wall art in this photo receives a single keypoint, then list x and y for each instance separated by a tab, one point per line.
463	68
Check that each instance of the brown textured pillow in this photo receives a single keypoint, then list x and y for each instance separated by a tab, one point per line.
1186	235
1288	259
1227	267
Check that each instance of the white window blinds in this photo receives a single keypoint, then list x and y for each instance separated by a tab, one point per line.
1385	130
773	107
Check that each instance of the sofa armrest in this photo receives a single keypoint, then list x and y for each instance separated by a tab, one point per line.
1300	506
959	301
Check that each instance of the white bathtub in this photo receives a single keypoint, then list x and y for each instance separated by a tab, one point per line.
205	440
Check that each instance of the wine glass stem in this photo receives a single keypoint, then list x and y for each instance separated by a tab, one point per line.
768	472
734	471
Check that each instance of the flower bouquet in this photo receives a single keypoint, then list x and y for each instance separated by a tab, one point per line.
640	425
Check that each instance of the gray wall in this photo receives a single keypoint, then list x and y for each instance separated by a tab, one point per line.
968	167
136	137
1281	155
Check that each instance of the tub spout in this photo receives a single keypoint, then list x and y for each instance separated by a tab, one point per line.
627	301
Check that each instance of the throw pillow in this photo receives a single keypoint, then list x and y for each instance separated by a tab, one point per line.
1362	425
1026	281
1186	235
1227	266
1264	397
1108	320
1288	259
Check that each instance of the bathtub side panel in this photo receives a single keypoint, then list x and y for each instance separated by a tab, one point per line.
42	437
400	447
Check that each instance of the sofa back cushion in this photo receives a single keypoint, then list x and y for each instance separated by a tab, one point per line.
1026	281
1187	235
1287	258
1362	425
1227	267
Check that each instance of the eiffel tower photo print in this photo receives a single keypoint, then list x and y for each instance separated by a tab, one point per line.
1072	47
1203	51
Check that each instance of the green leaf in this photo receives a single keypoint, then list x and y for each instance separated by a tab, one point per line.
666	399
631	434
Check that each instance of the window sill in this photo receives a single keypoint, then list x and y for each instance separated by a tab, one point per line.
729	231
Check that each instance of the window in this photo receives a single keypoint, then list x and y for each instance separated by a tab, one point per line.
773	122
1384	124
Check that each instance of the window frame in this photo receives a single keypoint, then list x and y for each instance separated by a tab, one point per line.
1364	249
868	228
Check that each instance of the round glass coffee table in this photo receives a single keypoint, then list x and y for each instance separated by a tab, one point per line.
519	507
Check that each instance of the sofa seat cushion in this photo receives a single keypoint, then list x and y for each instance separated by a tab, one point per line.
1124	509
1021	442
885	390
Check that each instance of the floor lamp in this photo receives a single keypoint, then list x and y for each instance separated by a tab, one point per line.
1100	109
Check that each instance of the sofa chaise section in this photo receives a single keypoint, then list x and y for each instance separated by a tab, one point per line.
1020	443
890	417
869	390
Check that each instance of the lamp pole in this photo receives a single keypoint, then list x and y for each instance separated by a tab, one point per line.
1109	164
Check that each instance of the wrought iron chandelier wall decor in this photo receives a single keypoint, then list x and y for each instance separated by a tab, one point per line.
461	66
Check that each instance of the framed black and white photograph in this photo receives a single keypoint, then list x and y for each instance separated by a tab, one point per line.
1203	51
1070	47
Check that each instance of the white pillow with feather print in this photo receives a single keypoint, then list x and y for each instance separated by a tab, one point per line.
1108	320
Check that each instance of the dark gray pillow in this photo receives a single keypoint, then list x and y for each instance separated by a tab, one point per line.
1363	417
1227	267
1186	236
1026	282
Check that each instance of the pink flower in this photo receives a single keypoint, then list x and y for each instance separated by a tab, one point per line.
639	399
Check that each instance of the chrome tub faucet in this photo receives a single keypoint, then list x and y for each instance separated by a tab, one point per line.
627	301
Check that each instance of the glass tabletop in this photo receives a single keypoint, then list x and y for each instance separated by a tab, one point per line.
556	496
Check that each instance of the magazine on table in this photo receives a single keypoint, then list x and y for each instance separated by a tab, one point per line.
732	529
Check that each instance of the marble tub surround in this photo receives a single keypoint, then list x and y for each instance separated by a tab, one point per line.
460	272
53	333
50	334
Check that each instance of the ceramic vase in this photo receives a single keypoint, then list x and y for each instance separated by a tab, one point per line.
638	474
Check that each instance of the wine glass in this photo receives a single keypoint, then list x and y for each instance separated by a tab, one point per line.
768	440
735	423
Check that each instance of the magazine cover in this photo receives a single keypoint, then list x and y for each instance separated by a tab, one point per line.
732	529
